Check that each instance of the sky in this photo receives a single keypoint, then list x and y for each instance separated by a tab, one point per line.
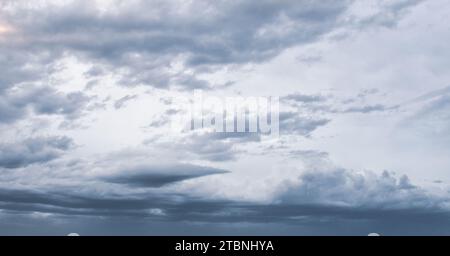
88	90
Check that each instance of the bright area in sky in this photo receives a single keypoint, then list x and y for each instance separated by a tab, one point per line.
4	28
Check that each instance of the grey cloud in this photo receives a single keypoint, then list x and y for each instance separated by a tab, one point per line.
204	145
75	204
107	204
161	175
47	101
224	146
164	119
159	122
22	72
238	137
322	104
94	72
9	111
294	123
217	146
228	136
313	103
15	69
386	14
367	109
310	59
121	102
304	98
308	154
205	148
397	223
350	199
361	190
42	101
33	150
330	198
91	84
139	46
308	214
191	82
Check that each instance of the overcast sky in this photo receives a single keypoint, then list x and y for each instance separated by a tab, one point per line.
86	95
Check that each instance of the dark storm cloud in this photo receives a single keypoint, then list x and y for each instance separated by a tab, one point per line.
366	202
331	196
160	175
139	44
61	202
237	40
139	47
143	204
300	214
33	150
369	204
222	32
344	187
